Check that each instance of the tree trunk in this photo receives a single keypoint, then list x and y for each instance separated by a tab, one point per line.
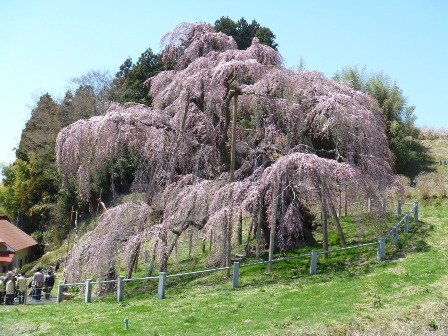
163	252
223	142
190	243
176	146
153	259
134	261
240	227
247	247
203	242
333	213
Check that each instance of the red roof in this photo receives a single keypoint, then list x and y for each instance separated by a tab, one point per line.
13	236
6	256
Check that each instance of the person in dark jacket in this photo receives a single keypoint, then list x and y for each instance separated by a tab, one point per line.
49	283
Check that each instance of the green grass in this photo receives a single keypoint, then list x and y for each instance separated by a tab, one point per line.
352	292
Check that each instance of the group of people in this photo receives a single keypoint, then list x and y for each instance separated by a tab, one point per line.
14	286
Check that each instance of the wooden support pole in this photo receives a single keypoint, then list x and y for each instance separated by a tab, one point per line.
326	193
324	224
229	245
259	223
273	224
233	140
346	202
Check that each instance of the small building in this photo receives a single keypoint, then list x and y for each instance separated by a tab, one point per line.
16	247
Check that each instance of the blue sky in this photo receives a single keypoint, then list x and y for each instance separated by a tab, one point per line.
45	43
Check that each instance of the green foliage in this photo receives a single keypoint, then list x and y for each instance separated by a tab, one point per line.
40	131
82	104
31	185
243	32
129	83
398	116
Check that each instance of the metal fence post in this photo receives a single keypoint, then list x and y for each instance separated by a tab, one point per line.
381	248
369	205
162	280
120	288
395	234
415	212
88	291
313	266
236	273
399	207
59	298
406	222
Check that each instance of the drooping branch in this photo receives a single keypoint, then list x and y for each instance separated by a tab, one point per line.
294	128
105	244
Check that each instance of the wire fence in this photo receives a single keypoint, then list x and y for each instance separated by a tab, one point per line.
380	246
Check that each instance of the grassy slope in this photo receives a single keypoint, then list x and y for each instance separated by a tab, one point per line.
406	295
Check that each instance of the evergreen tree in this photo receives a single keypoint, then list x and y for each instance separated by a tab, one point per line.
129	82
243	32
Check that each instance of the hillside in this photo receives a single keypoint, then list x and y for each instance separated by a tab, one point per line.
353	295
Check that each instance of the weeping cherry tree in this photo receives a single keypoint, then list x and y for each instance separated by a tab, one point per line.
297	135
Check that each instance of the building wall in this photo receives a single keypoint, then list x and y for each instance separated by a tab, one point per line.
21	258
4	268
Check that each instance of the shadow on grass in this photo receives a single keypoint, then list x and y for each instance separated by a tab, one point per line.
418	160
413	242
345	264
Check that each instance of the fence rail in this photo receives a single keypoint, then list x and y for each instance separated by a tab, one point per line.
380	245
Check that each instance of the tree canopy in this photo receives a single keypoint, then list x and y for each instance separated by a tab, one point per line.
31	185
397	114
243	32
294	131
128	84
